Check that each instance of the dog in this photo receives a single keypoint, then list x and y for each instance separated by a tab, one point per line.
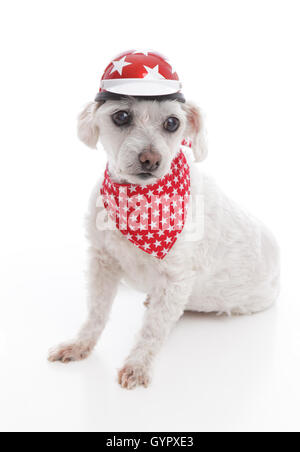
233	268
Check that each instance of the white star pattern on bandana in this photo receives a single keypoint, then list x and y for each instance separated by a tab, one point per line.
150	216
119	65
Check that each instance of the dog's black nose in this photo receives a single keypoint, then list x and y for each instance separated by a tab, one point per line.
150	160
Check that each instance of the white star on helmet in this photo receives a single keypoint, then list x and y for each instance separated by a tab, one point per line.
119	65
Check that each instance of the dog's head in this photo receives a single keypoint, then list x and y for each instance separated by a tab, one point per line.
141	137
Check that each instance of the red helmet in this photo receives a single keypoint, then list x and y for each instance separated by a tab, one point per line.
140	73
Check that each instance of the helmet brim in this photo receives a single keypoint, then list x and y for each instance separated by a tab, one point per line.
141	86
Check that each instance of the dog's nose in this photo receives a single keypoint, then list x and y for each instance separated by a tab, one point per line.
150	160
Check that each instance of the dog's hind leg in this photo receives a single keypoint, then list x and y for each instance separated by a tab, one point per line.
103	279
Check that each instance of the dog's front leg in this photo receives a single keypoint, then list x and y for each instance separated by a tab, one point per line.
103	278
166	307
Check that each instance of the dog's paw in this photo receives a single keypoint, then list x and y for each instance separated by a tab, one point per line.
133	375
66	353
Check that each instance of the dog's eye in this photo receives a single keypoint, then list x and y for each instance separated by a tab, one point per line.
121	118
171	124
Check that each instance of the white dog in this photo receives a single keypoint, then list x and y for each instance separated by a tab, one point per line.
232	268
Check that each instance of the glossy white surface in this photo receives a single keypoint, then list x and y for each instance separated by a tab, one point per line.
214	373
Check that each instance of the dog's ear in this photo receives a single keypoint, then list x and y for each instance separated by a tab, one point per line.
88	131
196	131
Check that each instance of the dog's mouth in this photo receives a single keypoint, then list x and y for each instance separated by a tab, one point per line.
145	176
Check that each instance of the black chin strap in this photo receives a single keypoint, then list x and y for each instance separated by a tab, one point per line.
106	95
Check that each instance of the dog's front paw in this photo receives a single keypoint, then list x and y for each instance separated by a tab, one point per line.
133	375
66	353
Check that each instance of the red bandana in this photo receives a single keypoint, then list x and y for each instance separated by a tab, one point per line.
151	216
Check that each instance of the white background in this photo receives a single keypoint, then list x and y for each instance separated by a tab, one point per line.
240	61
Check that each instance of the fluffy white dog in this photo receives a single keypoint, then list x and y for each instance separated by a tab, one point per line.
232	267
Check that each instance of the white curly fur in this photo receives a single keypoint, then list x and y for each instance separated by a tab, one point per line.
233	268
